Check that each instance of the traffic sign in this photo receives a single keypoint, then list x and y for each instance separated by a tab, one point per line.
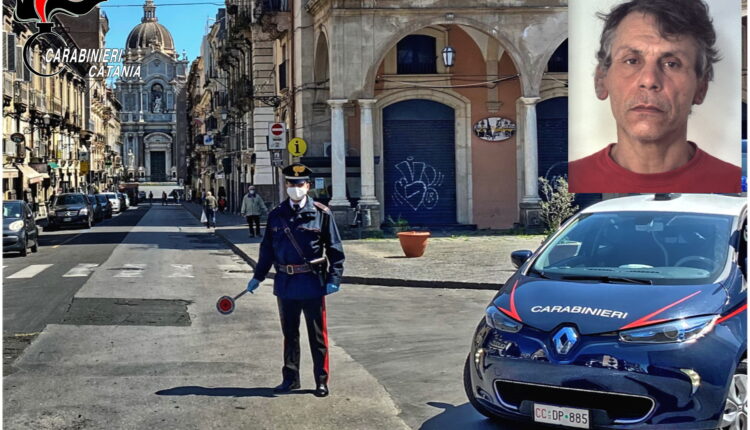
276	135
297	147
276	160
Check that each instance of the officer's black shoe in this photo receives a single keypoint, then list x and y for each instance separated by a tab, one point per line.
322	390
286	386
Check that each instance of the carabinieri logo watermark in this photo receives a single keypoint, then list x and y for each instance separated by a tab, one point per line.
41	12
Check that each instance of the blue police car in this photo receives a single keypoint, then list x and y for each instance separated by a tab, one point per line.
632	315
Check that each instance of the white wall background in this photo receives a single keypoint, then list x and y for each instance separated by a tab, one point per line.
714	125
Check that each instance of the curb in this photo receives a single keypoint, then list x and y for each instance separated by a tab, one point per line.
382	282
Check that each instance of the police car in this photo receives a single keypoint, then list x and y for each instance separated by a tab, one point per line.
632	315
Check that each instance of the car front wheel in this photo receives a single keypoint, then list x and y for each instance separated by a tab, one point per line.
24	245
735	407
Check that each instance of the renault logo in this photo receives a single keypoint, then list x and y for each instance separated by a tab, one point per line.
565	339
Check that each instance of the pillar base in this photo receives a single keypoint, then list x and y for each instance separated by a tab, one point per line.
531	215
374	208
341	215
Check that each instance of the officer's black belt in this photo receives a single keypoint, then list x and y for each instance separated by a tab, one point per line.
293	269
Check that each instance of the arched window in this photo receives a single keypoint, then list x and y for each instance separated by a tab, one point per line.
558	63
416	55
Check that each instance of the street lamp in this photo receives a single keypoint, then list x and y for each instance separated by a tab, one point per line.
449	56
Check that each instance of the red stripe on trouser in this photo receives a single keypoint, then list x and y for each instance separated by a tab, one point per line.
325	339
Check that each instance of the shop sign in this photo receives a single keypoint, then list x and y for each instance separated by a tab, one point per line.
494	129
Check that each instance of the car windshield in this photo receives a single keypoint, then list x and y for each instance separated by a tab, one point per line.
12	210
640	247
69	199
102	198
111	196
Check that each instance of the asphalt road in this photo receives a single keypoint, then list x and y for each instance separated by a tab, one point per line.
136	342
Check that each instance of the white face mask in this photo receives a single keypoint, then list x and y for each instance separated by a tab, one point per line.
296	193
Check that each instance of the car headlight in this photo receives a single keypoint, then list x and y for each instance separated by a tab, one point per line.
15	225
498	320
84	211
677	331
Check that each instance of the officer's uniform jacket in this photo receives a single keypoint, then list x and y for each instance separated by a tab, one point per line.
316	233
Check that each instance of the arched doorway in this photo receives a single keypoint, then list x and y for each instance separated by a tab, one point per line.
419	162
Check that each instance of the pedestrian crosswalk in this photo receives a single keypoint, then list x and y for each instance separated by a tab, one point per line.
132	270
30	271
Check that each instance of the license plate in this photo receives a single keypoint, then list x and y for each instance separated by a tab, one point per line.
66	219
570	417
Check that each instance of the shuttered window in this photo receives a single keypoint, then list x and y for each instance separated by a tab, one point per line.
9	59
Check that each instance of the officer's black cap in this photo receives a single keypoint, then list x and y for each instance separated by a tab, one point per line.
296	173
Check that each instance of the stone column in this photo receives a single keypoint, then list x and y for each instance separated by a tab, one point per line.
168	163
368	201
148	165
529	206
338	154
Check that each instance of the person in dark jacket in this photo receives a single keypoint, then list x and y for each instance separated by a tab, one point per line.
302	242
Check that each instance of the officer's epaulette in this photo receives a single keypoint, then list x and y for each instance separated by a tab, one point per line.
322	207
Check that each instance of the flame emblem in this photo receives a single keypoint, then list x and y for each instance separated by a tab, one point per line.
42	11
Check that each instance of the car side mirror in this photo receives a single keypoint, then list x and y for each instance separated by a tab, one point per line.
520	257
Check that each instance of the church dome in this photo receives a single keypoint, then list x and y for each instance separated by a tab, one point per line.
150	32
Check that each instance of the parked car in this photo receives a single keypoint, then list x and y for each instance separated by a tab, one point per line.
632	315
141	196
19	229
106	205
115	201
98	210
70	209
123	203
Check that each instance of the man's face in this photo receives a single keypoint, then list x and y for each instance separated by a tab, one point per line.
251	190
652	82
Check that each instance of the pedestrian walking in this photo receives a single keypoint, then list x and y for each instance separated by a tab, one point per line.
303	243
209	207
252	208
163	198
150	198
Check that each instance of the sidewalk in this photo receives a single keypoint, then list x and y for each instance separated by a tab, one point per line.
471	261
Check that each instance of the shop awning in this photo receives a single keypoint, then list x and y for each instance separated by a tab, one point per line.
10	172
53	165
30	174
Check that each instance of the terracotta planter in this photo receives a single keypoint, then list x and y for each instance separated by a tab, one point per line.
413	242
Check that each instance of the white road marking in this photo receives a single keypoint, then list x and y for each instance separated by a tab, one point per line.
182	271
131	271
29	272
82	270
235	271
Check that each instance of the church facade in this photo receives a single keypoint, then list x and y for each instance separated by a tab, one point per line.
153	117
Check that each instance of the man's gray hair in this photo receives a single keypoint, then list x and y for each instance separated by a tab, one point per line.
674	18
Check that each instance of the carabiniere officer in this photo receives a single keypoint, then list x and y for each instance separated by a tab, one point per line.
303	275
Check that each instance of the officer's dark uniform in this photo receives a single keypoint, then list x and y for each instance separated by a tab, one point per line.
297	288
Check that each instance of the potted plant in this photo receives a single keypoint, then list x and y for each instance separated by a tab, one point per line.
413	242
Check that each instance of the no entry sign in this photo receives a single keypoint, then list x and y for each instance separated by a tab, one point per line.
276	135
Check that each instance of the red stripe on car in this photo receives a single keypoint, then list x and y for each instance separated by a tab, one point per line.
730	315
512	312
647	319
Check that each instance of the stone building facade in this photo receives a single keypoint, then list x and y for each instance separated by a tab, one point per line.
153	120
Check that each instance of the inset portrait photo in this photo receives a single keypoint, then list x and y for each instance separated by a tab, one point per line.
655	96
